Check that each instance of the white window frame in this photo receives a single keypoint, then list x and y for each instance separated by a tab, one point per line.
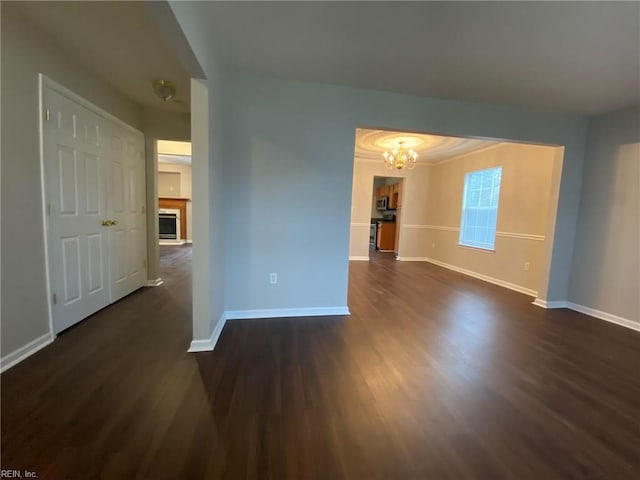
466	210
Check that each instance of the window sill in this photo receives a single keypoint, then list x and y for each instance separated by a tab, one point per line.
479	249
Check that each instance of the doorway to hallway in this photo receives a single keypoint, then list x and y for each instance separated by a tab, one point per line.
174	202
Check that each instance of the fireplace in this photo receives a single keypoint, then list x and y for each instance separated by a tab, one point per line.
169	224
179	207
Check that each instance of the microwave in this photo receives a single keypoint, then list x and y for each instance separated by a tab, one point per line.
382	203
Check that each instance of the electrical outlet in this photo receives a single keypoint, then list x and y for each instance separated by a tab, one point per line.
527	266
273	278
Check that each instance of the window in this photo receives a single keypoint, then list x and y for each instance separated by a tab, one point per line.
480	208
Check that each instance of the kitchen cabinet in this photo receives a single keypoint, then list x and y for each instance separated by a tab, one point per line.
386	237
395	195
383	191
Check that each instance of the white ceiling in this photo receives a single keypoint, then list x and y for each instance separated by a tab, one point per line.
119	40
582	57
371	144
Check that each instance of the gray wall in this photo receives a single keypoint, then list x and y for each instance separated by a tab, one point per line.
208	204
218	202
288	156
606	263
26	51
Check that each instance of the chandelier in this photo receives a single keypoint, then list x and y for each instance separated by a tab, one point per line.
400	158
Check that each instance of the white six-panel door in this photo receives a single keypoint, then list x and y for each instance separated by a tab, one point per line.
127	237
94	181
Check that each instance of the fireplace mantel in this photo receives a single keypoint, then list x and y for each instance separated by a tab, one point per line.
180	204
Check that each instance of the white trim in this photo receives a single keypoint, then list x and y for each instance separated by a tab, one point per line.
412	259
210	343
607	317
592	312
358	258
43	192
286	312
550	305
476	249
361	224
154	283
188	241
486	278
538	302
25	351
523	236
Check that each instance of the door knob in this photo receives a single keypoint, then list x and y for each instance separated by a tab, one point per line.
114	222
106	223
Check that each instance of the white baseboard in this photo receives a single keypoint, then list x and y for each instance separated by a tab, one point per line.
553	304
359	258
209	344
607	317
286	312
189	241
25	351
592	312
486	278
412	259
154	283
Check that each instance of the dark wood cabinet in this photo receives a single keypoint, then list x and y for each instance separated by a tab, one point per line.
395	195
383	191
386	237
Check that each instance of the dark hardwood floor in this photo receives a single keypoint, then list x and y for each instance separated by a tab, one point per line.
434	376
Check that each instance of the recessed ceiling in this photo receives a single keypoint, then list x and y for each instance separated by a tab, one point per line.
371	144
118	40
579	57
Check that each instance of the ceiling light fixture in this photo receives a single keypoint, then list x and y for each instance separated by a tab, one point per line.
164	89
400	158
